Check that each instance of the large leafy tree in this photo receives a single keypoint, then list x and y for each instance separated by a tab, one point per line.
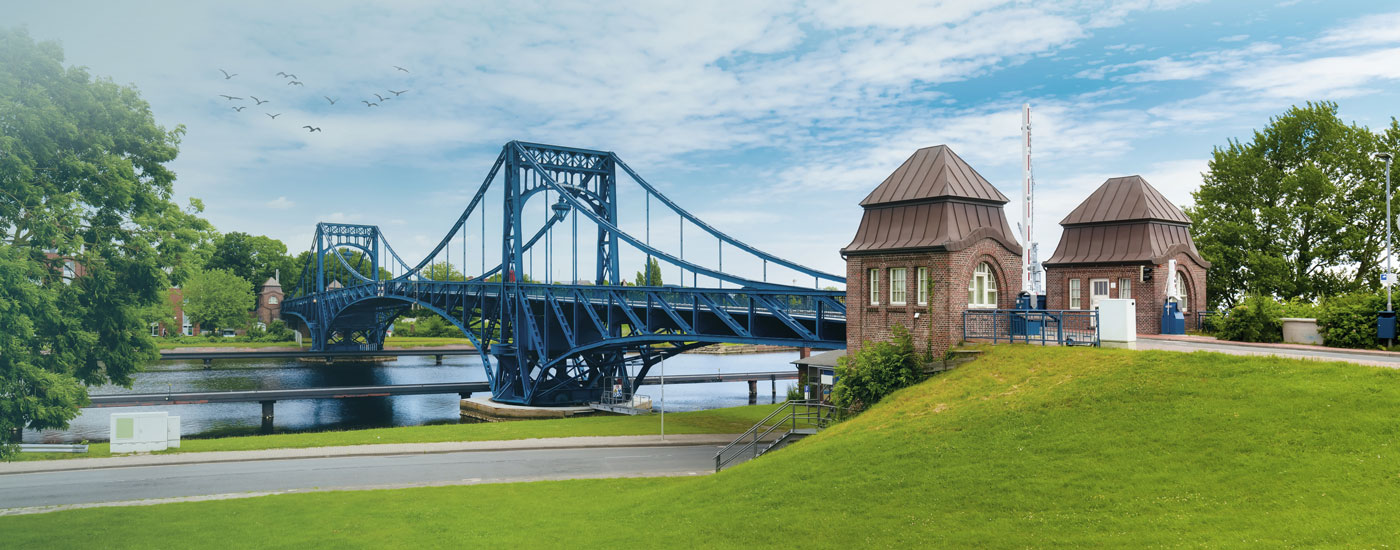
1296	212
252	257
217	298
83	179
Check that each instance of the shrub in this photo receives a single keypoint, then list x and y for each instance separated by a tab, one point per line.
1297	308
1349	320
877	370
1257	319
277	331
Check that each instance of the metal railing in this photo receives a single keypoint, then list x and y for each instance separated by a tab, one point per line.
801	417
625	399
1063	327
1207	321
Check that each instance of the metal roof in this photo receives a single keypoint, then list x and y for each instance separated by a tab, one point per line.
1143	242
933	172
823	359
1125	221
946	225
932	201
1124	199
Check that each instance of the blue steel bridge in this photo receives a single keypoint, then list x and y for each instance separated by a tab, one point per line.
550	342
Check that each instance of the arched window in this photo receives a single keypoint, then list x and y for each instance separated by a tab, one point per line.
1185	297
982	289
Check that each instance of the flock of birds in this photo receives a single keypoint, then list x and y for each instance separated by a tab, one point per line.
293	80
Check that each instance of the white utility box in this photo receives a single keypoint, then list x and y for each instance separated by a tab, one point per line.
140	432
172	432
1117	320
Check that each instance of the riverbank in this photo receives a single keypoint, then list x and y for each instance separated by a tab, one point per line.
231	345
713	421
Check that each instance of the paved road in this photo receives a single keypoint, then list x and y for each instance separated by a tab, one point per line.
1324	354
191	480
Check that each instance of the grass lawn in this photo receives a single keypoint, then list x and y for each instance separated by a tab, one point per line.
731	420
391	342
1024	448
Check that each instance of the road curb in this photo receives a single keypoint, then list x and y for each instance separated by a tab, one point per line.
384	449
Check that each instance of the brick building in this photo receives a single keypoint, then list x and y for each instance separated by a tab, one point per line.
933	241
1119	243
269	306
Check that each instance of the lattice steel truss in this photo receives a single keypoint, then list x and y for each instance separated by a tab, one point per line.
558	343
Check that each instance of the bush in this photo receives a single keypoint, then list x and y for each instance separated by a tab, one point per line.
277	331
1297	308
1349	320
877	370
1257	319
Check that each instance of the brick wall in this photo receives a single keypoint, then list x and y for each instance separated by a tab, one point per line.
940	321
1150	295
269	304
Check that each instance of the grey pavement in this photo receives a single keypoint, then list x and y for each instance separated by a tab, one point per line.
1363	357
55	490
361	450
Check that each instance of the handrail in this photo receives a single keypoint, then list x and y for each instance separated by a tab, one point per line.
812	413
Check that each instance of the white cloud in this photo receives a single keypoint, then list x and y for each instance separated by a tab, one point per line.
1235	38
1375	29
1190	67
1327	77
280	203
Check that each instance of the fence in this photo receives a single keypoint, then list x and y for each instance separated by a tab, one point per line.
1042	326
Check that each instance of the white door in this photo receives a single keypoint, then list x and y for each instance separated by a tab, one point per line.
1098	290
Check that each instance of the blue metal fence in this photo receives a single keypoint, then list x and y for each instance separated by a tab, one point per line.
1032	326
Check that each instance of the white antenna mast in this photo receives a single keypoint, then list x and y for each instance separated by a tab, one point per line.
1030	257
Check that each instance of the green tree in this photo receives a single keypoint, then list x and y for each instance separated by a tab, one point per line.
83	178
217	298
1297	212
255	258
653	268
443	271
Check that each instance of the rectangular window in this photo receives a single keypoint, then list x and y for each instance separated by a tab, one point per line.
898	286
874	280
1074	293
923	285
1125	288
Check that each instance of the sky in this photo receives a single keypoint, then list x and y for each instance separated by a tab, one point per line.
768	120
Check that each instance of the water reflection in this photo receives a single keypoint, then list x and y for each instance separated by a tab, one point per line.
224	419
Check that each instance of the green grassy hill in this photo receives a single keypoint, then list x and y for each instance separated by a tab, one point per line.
1024	448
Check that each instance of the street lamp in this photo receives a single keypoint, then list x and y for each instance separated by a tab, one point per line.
1386	157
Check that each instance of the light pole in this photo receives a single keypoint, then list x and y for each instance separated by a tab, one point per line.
1384	156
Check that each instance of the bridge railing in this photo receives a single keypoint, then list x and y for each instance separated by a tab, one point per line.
1032	326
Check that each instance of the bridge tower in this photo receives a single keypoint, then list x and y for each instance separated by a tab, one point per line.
551	342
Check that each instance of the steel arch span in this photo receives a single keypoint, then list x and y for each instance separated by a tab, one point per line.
546	341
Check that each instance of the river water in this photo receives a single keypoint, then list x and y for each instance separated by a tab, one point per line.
223	419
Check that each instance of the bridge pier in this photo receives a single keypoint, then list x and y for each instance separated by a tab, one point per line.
267	416
208	363
774	380
438	360
753	391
